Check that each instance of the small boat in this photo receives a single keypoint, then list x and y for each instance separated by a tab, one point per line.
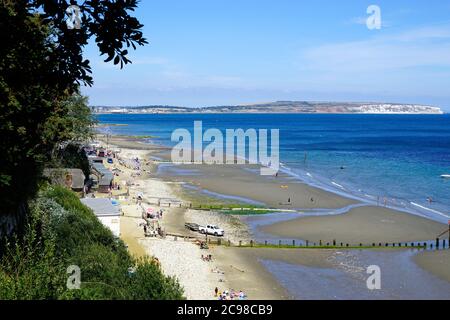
445	176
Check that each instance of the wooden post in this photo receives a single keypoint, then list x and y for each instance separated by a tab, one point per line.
320	242
190	205
443	243
265	243
229	243
240	243
251	243
279	243
334	243
437	243
293	243
307	242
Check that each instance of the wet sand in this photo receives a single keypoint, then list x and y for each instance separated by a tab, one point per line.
436	262
364	225
243	271
334	274
342	274
280	193
131	143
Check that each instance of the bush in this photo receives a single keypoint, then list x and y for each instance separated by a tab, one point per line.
71	156
63	232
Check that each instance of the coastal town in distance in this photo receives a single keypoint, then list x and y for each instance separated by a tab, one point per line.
283	107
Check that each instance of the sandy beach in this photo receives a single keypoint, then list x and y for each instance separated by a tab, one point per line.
365	225
247	269
179	258
436	262
281	192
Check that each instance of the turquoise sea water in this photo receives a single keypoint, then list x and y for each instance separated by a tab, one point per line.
397	157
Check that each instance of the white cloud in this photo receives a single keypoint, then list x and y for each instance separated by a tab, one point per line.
424	34
412	49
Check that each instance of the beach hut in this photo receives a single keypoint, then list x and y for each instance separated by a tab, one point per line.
104	177
107	211
71	178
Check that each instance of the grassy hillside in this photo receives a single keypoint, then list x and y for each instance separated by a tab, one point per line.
61	232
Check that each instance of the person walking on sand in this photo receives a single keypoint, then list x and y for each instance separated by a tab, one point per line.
216	292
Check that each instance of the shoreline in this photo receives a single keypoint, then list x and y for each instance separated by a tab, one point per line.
182	259
251	259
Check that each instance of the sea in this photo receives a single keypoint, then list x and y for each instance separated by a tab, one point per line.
394	159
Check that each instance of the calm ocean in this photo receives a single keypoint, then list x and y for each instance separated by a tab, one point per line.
398	157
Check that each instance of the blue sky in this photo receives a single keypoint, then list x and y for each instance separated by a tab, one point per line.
218	52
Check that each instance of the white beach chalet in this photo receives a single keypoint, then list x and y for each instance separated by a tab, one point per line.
106	212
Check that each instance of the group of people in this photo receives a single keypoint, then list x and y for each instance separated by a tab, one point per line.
207	258
230	295
155	215
133	164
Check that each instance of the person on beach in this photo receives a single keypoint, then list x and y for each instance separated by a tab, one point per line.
216	291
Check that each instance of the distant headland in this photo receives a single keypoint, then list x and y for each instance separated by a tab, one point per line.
282	107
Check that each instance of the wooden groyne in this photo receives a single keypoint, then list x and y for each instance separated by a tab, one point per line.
438	244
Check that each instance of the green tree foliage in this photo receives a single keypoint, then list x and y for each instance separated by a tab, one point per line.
61	232
41	68
74	123
76	127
